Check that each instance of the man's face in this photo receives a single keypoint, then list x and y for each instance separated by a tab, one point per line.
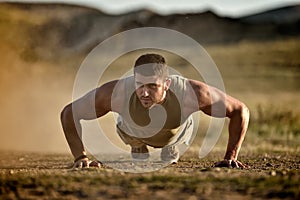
150	89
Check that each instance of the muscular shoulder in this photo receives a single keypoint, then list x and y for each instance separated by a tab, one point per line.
198	87
196	92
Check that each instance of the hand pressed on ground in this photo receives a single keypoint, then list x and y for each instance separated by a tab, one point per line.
231	164
86	163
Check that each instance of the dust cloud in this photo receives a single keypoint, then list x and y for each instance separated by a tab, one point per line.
32	97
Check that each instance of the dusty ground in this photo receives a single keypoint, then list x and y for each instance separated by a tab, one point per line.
47	176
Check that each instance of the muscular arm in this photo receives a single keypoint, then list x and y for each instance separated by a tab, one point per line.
217	104
93	105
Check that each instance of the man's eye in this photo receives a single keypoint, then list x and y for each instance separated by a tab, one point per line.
152	86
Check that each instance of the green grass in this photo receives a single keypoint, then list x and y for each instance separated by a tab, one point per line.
271	120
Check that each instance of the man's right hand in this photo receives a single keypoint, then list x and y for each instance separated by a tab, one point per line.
86	163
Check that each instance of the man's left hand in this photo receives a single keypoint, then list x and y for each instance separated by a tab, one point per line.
231	164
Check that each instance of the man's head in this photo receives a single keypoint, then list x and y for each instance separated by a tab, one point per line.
150	65
151	79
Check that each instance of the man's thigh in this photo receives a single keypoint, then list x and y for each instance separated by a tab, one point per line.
127	139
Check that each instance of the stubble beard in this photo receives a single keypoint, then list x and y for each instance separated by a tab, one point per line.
149	102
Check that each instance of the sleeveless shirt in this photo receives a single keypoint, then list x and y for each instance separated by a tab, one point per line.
158	125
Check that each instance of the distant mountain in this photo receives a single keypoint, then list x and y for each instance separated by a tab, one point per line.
209	28
283	21
54	31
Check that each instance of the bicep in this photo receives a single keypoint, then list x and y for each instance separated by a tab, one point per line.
223	105
211	100
214	103
94	104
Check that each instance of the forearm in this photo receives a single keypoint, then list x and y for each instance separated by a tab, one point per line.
72	134
237	130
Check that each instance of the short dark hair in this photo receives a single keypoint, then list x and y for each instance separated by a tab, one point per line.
151	64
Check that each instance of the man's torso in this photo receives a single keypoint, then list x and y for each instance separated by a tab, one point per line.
158	125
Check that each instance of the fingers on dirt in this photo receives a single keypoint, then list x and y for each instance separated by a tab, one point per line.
222	164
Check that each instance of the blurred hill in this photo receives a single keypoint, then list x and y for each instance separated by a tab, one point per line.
52	31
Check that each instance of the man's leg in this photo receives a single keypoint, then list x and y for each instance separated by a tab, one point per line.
170	153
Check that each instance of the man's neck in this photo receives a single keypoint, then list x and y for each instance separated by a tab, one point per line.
163	99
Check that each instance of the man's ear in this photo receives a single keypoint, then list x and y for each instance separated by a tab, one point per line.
167	84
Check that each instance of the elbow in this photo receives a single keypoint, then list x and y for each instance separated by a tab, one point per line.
240	110
243	111
66	114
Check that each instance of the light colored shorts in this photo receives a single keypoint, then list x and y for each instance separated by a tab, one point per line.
184	135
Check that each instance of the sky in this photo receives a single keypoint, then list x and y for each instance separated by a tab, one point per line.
232	8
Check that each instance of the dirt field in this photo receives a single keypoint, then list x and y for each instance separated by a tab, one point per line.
272	175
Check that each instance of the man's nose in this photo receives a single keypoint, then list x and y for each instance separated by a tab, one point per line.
145	91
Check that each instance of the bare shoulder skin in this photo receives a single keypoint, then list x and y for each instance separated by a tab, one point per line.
215	103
